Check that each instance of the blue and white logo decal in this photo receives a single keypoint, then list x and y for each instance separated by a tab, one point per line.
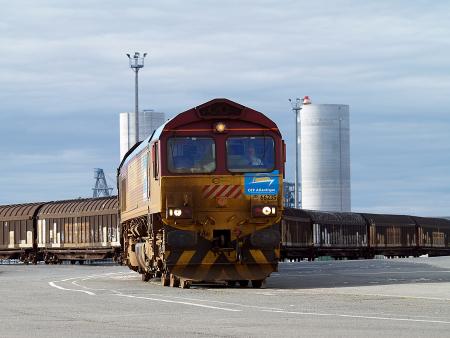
261	184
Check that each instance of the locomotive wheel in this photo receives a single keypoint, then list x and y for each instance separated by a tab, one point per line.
145	276
164	280
174	281
243	283
256	284
185	283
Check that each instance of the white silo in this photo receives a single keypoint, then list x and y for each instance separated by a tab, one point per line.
149	121
325	157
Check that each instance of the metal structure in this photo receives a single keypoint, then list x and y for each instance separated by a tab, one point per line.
124	133
149	121
136	63
296	107
101	188
289	194
325	157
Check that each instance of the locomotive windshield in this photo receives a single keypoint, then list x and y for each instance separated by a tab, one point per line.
191	155
250	154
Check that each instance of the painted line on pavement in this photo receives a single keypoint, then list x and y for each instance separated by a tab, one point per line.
318	314
52	284
179	302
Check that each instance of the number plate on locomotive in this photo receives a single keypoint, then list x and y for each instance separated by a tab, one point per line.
265	197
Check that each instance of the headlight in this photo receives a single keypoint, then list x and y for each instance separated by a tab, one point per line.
264	210
182	212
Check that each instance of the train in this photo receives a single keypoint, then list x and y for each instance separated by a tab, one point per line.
201	198
88	229
71	230
308	234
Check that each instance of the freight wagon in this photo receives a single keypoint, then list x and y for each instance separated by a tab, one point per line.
78	230
433	235
307	234
17	231
75	230
392	235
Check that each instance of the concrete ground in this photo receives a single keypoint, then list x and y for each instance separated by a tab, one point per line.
370	298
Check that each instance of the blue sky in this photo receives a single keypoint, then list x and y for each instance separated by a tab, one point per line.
64	78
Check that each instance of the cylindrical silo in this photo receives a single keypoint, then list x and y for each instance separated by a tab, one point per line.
325	157
149	121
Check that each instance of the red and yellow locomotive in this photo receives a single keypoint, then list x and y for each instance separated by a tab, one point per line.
201	198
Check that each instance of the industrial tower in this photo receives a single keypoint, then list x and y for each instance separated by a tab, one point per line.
101	188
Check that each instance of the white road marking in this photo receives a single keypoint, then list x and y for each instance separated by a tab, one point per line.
52	284
334	292
221	302
179	302
393	272
90	293
318	314
117	293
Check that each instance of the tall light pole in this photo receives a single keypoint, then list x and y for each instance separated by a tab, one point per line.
136	63
296	107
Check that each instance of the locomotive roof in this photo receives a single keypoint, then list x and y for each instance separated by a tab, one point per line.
215	109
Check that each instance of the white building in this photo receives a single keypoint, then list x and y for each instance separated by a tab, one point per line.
149	121
325	157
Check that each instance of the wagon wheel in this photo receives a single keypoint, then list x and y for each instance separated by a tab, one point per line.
256	284
165	279
231	283
174	281
145	276
243	283
185	283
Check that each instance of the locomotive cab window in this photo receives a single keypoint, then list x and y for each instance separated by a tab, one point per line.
250	154
191	155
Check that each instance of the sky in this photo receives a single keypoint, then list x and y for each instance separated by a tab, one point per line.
64	79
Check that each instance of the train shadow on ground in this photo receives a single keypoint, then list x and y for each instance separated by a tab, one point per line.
336	274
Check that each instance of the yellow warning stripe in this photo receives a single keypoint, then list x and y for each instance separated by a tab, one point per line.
258	256
185	257
210	258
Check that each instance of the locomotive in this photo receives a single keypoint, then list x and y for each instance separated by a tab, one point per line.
201	198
